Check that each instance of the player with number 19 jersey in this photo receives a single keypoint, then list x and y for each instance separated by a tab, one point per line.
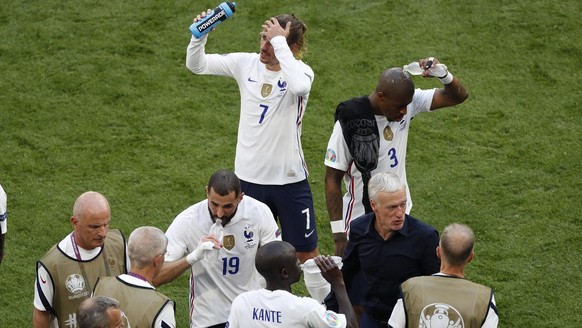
221	275
273	103
392	154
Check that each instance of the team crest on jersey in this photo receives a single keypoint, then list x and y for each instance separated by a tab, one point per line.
248	233
388	134
249	237
282	86
228	242
75	283
266	89
332	319
438	315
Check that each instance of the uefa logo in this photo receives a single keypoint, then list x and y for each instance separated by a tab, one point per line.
75	283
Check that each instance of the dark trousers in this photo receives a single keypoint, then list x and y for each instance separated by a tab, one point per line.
220	325
369	322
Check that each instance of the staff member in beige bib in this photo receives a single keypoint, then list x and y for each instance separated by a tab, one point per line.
66	274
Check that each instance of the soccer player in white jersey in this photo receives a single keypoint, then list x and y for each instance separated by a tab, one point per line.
220	268
274	88
276	306
391	107
3	221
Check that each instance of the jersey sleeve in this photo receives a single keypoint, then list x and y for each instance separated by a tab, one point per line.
177	247
398	316
198	62
421	101
321	318
43	289
298	74
492	319
166	318
269	229
3	212
337	155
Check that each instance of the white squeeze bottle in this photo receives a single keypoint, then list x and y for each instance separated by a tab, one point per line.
438	70
413	68
218	231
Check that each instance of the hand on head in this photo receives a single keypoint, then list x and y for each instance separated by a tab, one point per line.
272	28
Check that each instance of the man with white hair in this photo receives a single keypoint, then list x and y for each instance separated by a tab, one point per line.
389	247
143	305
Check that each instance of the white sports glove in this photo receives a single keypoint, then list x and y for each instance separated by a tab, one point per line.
438	70
199	252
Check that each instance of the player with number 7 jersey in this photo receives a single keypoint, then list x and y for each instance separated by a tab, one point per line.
274	87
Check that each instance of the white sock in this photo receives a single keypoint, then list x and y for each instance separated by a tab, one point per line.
316	285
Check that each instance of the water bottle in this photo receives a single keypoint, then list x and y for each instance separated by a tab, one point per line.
208	22
218	231
413	68
438	70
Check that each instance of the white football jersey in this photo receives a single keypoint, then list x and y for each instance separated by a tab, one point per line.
222	274
3	212
273	103
392	154
264	309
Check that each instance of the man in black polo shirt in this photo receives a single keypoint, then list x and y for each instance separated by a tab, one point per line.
389	247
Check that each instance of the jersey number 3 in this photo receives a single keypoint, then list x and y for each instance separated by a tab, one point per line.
392	157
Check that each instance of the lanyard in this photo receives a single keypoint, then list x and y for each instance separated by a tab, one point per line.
138	276
75	247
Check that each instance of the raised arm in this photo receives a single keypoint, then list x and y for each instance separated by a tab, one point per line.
333	275
452	93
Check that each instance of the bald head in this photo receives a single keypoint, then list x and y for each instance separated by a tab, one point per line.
395	83
90	203
91	216
457	241
273	257
144	244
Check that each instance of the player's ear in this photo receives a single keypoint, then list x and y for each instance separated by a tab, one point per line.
373	204
284	273
74	222
471	257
